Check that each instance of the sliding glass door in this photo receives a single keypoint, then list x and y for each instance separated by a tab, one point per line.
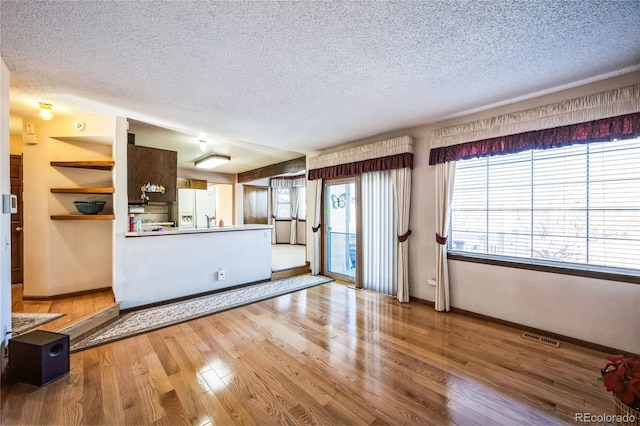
340	228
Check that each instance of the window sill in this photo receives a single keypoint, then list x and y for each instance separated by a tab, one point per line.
626	276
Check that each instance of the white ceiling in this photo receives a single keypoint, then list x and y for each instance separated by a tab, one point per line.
244	156
305	76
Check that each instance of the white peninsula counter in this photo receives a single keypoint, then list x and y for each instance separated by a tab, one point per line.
155	266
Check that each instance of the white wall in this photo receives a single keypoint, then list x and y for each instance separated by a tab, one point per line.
604	312
156	268
5	219
598	311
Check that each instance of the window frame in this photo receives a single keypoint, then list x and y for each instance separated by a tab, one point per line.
611	273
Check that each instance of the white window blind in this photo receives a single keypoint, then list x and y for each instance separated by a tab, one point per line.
577	205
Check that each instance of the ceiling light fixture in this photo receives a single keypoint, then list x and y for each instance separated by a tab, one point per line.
45	111
211	161
203	145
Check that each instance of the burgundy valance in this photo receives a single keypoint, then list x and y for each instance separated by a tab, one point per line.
621	127
398	161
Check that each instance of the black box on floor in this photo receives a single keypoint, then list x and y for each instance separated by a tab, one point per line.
39	357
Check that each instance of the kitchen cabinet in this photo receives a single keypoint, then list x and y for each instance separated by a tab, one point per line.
91	165
152	166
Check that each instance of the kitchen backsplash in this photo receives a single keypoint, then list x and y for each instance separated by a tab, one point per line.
151	214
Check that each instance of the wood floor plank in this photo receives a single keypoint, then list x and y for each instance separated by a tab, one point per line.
125	372
150	404
92	402
134	415
215	409
162	353
110	386
189	401
158	374
73	395
225	399
176	414
325	355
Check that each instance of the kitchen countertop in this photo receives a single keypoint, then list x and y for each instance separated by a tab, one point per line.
179	231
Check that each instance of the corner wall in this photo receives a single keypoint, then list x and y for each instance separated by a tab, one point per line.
66	256
597	311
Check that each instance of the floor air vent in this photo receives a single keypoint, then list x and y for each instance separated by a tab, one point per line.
541	339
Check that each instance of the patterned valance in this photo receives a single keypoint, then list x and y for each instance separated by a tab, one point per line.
621	101
384	155
287	181
607	129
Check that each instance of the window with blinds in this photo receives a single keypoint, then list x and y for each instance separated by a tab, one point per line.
283	206
576	205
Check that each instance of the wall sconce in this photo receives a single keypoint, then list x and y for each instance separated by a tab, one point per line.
203	145
211	161
45	111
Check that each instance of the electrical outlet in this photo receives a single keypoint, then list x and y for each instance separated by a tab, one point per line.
220	274
432	282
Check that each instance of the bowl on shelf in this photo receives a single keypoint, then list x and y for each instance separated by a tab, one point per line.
89	207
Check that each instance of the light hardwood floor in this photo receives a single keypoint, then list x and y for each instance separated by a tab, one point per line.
74	307
326	355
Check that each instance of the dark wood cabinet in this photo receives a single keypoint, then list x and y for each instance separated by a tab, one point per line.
151	166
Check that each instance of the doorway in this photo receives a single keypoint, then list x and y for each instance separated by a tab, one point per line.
340	218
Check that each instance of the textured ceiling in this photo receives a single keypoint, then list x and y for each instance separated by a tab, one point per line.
304	76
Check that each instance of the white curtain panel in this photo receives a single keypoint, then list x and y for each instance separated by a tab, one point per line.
274	206
402	187
317	202
445	176
379	233
294	201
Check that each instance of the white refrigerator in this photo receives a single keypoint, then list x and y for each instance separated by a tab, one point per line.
193	206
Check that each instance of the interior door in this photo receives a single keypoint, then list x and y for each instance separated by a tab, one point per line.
340	228
17	237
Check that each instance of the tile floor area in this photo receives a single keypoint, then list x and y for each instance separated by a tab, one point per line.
285	256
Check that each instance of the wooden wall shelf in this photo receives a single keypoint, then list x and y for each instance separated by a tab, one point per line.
83	190
95	165
83	217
